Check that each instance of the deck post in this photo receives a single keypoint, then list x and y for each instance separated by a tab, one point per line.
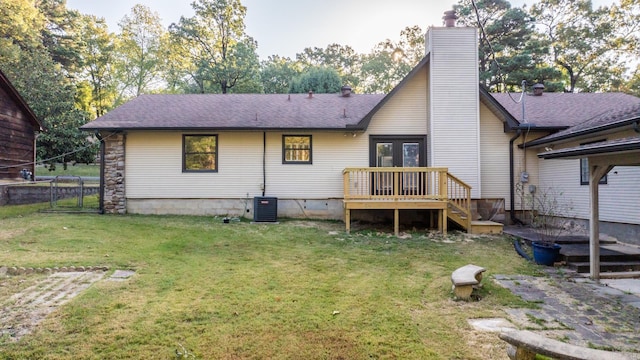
347	211
444	221
444	196
347	219
396	221
596	172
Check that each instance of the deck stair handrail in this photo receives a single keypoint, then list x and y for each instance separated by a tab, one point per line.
459	197
407	184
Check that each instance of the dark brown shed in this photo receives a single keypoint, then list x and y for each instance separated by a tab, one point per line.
18	127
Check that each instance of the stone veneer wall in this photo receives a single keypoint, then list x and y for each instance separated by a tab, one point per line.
115	201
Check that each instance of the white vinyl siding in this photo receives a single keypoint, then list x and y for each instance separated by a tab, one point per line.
332	153
619	198
454	139
494	152
406	112
154	167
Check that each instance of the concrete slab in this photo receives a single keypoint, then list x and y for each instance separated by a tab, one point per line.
622	248
627	286
577	309
491	324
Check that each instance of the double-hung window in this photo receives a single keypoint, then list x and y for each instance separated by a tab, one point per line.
584	169
296	149
200	153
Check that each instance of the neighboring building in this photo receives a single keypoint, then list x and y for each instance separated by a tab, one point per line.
447	148
18	128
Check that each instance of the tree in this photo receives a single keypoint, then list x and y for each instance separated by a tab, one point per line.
320	80
626	15
222	54
138	51
633	85
177	69
58	35
277	74
97	55
20	23
389	62
507	53
581	41
341	58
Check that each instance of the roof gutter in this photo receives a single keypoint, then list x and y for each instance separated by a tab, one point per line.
102	159
348	128
577	152
634	122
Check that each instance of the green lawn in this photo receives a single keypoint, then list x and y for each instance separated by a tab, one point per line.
72	170
297	290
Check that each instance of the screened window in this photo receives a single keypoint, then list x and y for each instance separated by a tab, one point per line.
296	149
584	168
584	173
200	153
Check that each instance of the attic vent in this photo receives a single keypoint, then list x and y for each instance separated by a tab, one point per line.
538	89
346	91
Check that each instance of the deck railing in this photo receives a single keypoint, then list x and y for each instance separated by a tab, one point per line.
408	184
459	201
393	183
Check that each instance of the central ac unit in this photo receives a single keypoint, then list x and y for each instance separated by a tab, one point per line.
265	209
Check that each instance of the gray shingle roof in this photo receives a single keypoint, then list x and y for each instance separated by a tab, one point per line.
565	109
627	144
238	111
609	119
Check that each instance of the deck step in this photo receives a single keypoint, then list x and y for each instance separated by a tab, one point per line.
621	275
607	266
486	227
576	253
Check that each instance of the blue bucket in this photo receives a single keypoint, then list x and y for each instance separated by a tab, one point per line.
545	254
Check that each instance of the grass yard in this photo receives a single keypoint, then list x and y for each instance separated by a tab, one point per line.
298	290
72	170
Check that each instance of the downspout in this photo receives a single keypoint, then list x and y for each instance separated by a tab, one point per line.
264	162
512	190
102	156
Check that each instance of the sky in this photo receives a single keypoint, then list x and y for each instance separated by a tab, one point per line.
286	27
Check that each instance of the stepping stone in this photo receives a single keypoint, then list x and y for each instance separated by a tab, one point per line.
121	275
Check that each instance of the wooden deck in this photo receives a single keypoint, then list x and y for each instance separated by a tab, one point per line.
414	188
